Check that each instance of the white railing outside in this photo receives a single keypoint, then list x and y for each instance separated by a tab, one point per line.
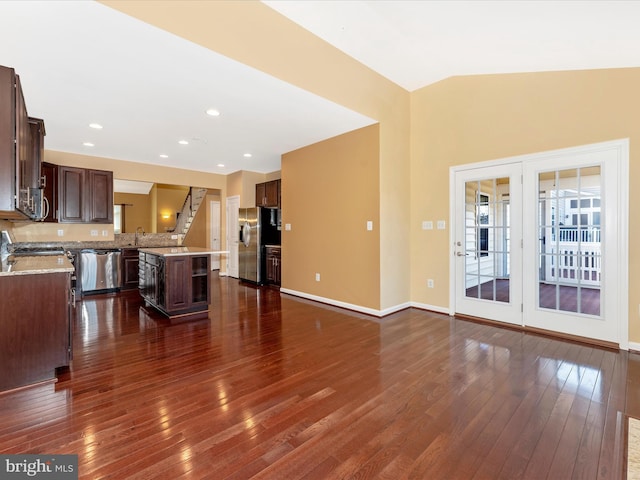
568	264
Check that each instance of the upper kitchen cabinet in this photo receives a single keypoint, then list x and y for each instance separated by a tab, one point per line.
268	194
21	145
50	189
84	195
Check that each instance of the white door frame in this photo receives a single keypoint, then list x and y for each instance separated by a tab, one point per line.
618	224
214	207
232	203
507	312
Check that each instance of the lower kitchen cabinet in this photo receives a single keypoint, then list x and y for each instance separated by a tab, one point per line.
176	285
273	265
129	268
35	327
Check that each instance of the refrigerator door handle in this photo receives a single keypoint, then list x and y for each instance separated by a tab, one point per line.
245	234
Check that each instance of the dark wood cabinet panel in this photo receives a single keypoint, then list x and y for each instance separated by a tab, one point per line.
99	196
84	195
71	181
268	194
130	266
273	269
175	285
35	331
50	191
19	158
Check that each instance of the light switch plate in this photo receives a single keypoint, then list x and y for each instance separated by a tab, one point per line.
441	224
427	225
369	225
287	226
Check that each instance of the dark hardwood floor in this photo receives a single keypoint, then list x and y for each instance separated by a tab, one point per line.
276	387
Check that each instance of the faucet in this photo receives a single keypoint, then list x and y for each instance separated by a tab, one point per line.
138	230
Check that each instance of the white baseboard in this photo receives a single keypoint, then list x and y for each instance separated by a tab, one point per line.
348	306
634	346
432	308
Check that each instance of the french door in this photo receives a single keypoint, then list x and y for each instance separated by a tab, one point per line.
540	241
487	261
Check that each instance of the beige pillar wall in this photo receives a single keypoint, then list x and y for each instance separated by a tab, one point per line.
328	214
256	35
476	118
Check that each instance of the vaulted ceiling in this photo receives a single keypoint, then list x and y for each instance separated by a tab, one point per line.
149	89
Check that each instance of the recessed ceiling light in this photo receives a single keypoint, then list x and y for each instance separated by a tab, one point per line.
97	126
183	142
221	165
247	155
88	144
163	155
213	112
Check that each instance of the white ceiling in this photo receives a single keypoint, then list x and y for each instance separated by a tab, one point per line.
416	43
81	62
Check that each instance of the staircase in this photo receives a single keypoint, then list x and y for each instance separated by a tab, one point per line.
189	209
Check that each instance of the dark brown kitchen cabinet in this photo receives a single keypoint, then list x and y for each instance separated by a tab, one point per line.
177	285
35	330
130	266
268	194
273	269
84	195
50	191
20	152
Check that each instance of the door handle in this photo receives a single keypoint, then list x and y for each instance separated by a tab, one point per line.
460	254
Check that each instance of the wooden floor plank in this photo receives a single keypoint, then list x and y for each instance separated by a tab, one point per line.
271	386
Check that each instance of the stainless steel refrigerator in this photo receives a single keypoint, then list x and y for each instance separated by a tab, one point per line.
250	245
258	227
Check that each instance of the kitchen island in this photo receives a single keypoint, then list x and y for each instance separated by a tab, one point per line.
176	280
35	318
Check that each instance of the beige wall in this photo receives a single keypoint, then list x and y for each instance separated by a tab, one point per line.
137	211
470	119
169	201
329	192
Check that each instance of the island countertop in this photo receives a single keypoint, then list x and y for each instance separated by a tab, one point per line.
30	265
177	251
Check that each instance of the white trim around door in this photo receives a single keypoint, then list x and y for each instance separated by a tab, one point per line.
611	324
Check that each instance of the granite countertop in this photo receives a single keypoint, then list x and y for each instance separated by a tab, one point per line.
177	251
31	265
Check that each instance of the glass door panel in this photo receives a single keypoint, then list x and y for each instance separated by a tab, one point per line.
569	248
487	239
484	258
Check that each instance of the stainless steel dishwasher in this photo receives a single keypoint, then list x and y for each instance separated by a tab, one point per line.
99	270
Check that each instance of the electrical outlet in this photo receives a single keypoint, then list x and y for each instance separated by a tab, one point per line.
94	233
105	233
287	226
61	233
174	237
317	277
430	283
369	225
